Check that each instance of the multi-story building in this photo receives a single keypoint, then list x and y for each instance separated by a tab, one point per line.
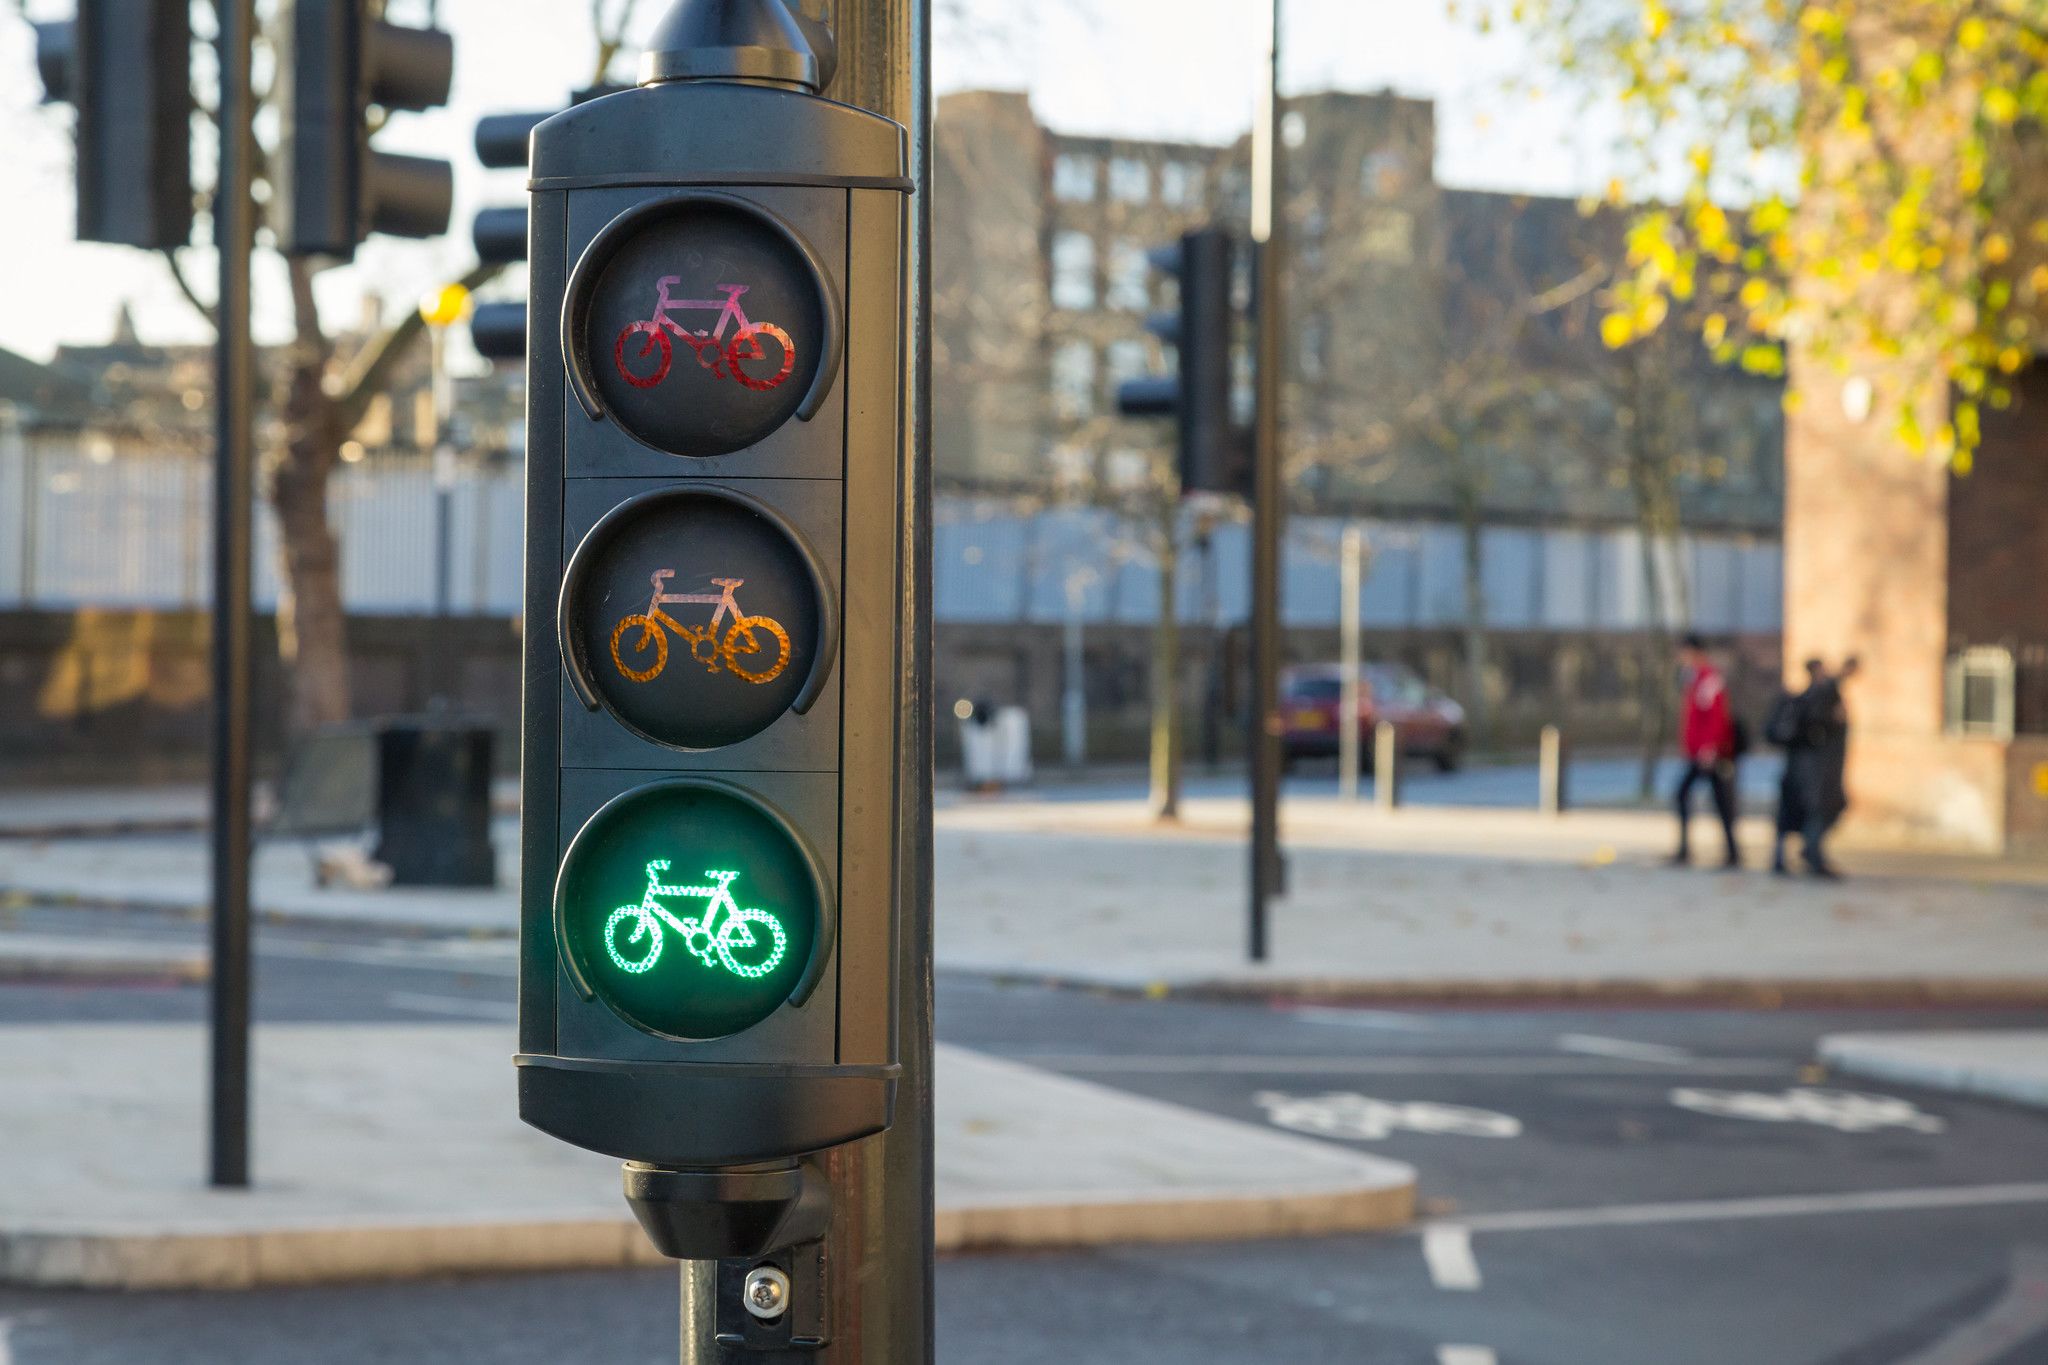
1445	380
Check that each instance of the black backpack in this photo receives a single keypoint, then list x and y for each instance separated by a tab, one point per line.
1786	720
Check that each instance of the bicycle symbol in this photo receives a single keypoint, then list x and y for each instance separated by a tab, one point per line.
743	644
731	943
714	352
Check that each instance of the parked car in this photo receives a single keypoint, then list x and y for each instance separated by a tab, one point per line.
1430	724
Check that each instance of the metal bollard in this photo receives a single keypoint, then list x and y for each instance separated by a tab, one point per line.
1386	766
1555	765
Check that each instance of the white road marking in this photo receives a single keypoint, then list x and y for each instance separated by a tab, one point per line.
1448	1249
1592	1045
453	1007
1466	1355
1386	1020
1408	1065
1843	1110
1776	1206
1360	1118
2016	1317
6	1347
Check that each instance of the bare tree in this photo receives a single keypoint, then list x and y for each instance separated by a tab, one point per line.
322	396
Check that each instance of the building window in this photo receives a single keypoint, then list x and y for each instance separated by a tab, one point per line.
1130	180
1073	177
1315	348
1128	360
1385	173
1073	381
1388	236
1180	184
1128	278
1073	271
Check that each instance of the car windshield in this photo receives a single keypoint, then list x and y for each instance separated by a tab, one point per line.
1313	689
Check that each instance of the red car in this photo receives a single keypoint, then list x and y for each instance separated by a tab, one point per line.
1429	723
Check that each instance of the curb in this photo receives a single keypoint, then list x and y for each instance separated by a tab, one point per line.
337	921
1907	1062
49	1258
30	966
1790	993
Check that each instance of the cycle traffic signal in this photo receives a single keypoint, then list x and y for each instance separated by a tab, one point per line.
338	67
125	66
713	671
1214	455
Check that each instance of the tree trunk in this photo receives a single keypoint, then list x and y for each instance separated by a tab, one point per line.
1654	675
1477	703
1166	678
312	623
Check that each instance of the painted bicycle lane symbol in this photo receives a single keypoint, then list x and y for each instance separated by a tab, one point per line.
1845	1111
743	359
1360	1118
748	943
744	651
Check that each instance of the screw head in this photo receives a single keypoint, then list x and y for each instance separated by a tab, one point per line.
766	1293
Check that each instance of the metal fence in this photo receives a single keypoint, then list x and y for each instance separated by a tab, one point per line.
994	565
78	529
82	530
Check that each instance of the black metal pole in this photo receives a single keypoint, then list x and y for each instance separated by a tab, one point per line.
883	1188
1268	237
233	532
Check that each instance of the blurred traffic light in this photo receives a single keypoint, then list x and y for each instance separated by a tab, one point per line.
1213	453
340	73
125	65
498	330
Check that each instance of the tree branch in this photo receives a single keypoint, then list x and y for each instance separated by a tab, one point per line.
204	309
371	367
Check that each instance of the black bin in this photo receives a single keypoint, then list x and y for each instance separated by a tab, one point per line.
434	802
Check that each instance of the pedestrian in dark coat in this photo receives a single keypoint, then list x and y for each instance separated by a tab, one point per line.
1815	794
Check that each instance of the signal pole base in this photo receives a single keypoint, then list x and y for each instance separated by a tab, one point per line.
726	1215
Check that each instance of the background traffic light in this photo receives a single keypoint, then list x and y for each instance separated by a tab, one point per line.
498	330
1214	455
340	72
125	65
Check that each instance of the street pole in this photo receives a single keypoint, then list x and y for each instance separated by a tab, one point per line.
1350	589
882	1188
443	459
233	533
1269	244
1074	704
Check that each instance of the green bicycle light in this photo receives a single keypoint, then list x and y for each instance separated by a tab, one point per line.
692	910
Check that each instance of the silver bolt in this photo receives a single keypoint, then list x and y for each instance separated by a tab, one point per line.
766	1293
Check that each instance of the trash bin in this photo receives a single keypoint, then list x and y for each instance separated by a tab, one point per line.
995	744
433	819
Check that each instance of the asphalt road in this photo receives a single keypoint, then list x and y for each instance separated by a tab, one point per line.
1601	1188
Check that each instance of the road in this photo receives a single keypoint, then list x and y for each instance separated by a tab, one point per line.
1601	1188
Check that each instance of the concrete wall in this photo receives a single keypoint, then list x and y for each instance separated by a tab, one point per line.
122	695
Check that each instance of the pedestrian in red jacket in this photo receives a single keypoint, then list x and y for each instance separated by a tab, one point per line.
1707	739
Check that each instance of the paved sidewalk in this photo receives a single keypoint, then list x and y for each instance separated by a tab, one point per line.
2006	1065
1468	904
395	1151
169	873
1421	904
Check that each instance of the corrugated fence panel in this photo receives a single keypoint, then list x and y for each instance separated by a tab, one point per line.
76	531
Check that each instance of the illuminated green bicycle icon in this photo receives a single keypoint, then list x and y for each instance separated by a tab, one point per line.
747	943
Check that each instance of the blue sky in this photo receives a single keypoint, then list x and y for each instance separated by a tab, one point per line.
1163	68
